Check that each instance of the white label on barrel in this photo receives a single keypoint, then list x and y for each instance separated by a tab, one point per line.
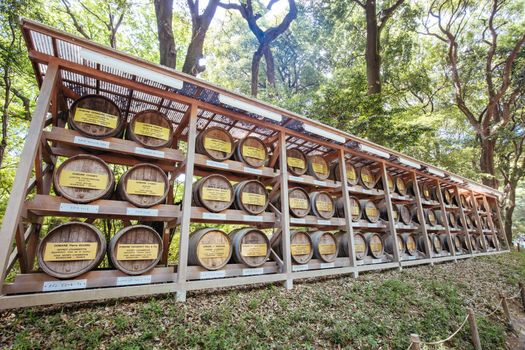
295	178
252	272
327	265
78	208
132	280
213	216
319	183
142	212
300	267
149	152
253	218
212	274
249	170
86	141
324	222
51	286
217	164
297	221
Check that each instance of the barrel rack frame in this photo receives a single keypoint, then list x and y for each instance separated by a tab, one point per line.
63	75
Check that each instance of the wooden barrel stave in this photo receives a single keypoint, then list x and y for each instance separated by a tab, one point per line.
144	185
209	248
96	116
150	128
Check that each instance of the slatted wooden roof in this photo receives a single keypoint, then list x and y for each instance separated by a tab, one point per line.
133	93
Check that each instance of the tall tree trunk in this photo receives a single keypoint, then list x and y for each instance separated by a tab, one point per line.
167	48
5	114
270	66
194	54
509	205
486	163
373	59
256	60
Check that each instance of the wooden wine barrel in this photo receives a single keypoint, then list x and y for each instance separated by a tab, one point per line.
404	214
250	196
457	243
367	179
298	202
351	173
390	183
215	142
325	246
360	246
470	224
71	249
410	243
83	179
209	248
322	204
355	208
465	201
481	205
383	212
389	244
420	239
251	151
465	241
376	246
429	216
401	186
369	210
426	191
435	243
144	185
213	192
296	161
318	167
447	196
251	246
474	243
452	219
150	128
136	249
96	116
491	240
443	238
485	223
300	247
441	217
481	242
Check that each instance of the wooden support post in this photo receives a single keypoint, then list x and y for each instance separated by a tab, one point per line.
445	217
474	329
506	311
421	215
186	205
501	227
285	213
348	212
390	212
463	220
491	222
23	173
415	341
522	293
479	226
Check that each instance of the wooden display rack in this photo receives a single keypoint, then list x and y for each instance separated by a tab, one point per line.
67	67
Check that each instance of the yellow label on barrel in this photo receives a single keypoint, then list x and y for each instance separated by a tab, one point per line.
366	177
300	249
298	203
253	152
213	250
295	162
426	193
350	174
323	206
216	194
400	185
70	251
371	211
395	214
145	188
88	116
376	246
355	210
360	248
80	179
400	244
254	249
253	199
327	249
411	243
217	145
137	251
390	182
320	168
152	130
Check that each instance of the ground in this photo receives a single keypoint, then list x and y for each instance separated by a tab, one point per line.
377	311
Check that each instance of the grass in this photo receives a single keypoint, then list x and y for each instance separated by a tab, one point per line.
377	311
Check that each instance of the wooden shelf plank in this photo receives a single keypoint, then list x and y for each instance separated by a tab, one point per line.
231	270
233	166
311	181
44	205
231	216
311	220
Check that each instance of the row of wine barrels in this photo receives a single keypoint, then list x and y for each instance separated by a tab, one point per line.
365	244
299	164
98	117
318	203
72	249
86	178
304	246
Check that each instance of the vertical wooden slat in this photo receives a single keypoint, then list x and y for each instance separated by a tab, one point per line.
463	220
285	214
390	211
478	219
186	204
423	226
501	227
348	211
23	173
490	221
445	217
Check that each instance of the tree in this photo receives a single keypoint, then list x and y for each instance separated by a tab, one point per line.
167	48
264	37
375	24
481	73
